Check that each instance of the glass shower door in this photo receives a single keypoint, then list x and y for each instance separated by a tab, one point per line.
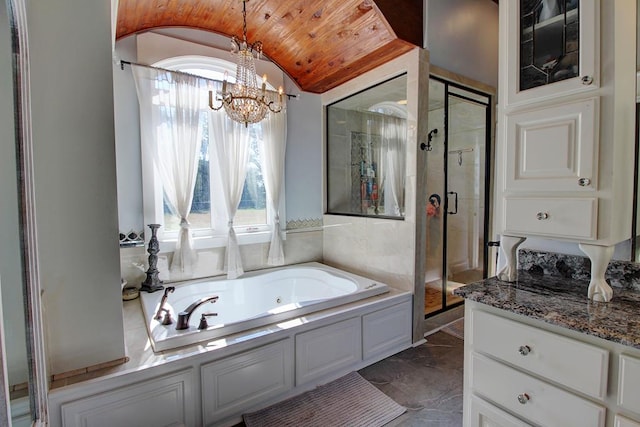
457	185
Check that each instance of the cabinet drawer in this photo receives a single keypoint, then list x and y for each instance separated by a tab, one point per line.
629	378
532	399
483	414
572	363
327	349
624	422
574	218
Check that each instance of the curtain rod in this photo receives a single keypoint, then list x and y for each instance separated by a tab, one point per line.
123	62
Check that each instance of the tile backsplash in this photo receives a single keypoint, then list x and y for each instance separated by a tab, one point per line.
620	274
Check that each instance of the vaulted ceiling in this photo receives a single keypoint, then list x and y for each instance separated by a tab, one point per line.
319	44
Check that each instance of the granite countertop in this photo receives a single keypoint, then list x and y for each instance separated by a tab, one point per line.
563	302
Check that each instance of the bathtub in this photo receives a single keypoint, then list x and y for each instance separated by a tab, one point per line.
254	300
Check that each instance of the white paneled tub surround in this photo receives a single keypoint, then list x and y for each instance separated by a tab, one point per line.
255	299
213	383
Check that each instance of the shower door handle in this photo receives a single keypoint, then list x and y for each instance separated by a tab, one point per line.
455	203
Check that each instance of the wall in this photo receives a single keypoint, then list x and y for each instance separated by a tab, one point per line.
75	185
462	37
382	249
303	170
10	261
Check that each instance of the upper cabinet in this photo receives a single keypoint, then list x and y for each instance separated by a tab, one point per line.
551	47
566	125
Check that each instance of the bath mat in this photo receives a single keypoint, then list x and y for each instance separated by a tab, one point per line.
350	401
455	328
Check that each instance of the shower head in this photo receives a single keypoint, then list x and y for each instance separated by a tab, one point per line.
431	133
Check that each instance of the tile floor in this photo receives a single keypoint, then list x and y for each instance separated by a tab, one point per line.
426	379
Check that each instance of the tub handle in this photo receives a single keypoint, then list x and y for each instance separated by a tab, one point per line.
203	320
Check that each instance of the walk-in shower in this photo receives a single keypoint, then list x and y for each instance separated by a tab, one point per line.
457	191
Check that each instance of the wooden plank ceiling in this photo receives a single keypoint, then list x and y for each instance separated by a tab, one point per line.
319	44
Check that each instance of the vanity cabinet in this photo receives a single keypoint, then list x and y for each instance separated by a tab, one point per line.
566	128
520	372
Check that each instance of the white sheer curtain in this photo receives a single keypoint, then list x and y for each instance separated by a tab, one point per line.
274	135
394	135
390	157
171	119
231	142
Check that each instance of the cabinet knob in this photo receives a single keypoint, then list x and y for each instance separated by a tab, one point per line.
542	216
523	398
524	350
583	182
587	80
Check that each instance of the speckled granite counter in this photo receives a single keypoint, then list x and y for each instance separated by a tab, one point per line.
563	302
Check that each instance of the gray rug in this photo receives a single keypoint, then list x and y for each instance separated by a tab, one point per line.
350	401
455	328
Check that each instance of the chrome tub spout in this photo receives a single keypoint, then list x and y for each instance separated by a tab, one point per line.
183	316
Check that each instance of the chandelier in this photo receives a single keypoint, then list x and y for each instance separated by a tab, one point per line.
243	101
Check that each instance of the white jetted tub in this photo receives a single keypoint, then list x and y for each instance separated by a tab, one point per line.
256	299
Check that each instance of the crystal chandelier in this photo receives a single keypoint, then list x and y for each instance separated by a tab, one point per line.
244	102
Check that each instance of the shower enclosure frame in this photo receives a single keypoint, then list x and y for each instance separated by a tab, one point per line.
488	105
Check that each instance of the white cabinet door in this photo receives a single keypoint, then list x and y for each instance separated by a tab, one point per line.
483	414
327	350
168	400
553	148
510	54
629	383
231	385
384	331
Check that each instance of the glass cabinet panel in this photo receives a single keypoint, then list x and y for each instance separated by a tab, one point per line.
549	41
548	49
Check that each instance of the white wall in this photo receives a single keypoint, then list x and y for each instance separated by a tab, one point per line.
10	263
462	37
75	181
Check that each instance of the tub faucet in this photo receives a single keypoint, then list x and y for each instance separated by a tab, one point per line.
183	316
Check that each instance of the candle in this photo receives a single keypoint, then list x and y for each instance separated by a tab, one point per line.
280	94
264	84
211	99
224	83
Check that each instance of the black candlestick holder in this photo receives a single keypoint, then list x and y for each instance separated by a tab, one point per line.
153	283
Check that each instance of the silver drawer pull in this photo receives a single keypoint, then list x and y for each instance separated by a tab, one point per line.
523	398
587	80
524	350
583	182
542	216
